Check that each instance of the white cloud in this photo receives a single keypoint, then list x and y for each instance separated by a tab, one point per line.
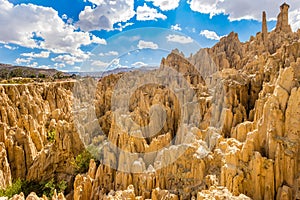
176	27
145	13
34	64
105	14
68	59
25	23
99	63
110	53
165	5
210	35
97	2
179	39
121	27
23	60
237	9
70	21
205	6
147	45
44	67
59	65
139	64
64	16
295	19
42	54
98	40
10	47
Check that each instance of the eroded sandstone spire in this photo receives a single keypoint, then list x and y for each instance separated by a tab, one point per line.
283	19
264	27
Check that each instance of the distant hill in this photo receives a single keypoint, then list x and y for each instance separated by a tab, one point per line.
10	71
100	74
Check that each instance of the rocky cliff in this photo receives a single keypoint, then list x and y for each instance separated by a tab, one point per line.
221	124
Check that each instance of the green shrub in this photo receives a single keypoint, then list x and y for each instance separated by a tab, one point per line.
46	188
40	75
15	188
51	135
82	161
61	186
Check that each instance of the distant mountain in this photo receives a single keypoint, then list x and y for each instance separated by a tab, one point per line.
10	71
100	74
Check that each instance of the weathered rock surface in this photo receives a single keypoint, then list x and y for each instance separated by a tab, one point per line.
221	124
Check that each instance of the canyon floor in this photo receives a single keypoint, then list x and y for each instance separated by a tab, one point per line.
223	123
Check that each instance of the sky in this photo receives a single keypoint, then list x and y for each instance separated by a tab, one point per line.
96	35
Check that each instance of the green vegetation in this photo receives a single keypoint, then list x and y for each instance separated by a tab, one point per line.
46	188
50	186
40	75
82	161
51	135
15	188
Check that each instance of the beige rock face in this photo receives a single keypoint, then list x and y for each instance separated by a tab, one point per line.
283	19
5	173
251	101
236	136
29	113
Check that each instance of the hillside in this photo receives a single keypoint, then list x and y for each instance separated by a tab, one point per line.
9	71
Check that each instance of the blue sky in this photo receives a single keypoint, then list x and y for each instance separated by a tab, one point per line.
89	35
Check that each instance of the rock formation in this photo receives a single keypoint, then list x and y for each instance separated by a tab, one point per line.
283	19
264	28
221	124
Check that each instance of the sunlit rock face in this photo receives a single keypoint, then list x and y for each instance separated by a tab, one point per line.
221	124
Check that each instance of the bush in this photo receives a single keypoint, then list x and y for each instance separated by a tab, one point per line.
40	75
51	135
46	188
82	161
15	188
50	186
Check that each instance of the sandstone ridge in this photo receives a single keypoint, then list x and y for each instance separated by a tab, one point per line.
230	128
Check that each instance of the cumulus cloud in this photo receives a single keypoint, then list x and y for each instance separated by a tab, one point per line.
42	54
68	59
176	27
165	5
147	45
237	9
106	14
98	40
145	13
59	65
179	39
31	26
295	19
97	2
34	64
210	35
23	60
